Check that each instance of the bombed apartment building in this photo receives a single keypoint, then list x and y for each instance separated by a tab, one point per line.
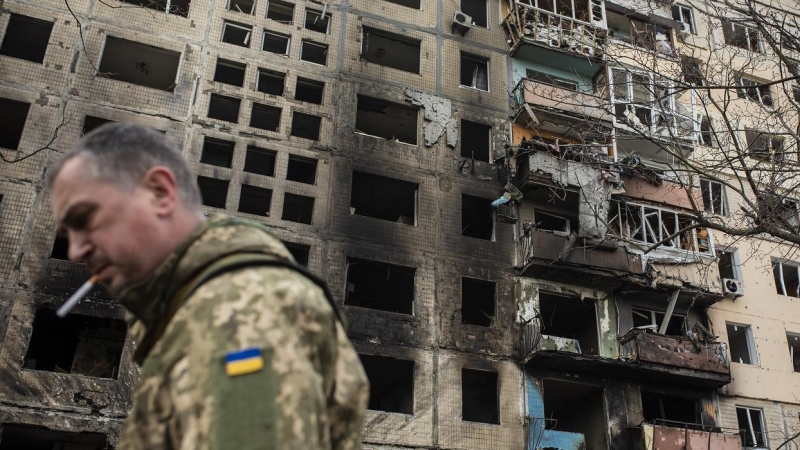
477	180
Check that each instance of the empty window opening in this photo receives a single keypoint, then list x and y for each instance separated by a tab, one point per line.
794	350
479	399
306	125
764	146
751	425
237	34
265	117
692	71
475	140
315	21
787	278
298	208
662	408
76	344
91	122
390	50
302	170
707	136
140	64
391	383
242	6
280	12
224	108
577	408
570	318
742	36
28	437
309	91
552	80
408	3
477	301
314	52
214	192
474	72
60	248
260	161
755	91
175	7
740	340
477	220
729	264
384	198
684	15
270	82
230	72
645	319
26	38
13	115
300	252
255	200
388	120
382	286
275	43
217	152
478	10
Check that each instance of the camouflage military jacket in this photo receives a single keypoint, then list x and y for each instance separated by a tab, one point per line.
254	358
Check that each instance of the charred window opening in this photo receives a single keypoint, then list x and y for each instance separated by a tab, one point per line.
260	161
384	198
300	252
388	120
76	344
280	12
476	217
90	123
390	50
794	350
236	34
306	126
391	383
275	43
175	7
265	117
270	82
477	301
225	108
255	200
570	318
60	248
314	52
309	91
315	21
741	344
555	209
787	278
243	6
27	437
415	4
475	140
751	423
217	152
381	286
298	208
478	10
474	72
13	115
302	170
140	64
229	72
656	407
26	38
646	319
576	408
214	192
479	399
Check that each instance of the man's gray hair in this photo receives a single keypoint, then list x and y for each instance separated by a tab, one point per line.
122	153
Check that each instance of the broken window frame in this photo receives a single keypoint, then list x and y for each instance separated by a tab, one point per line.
156	5
326	18
752	353
323	47
281	4
749	435
705	131
794	354
646	235
242	27
770	147
779	271
754	91
734	259
11	41
655	113
232	6
751	36
366	32
537	4
551	80
685	15
477	82
656	320
715	198
280	35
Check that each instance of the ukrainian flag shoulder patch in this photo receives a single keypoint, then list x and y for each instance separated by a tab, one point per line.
242	362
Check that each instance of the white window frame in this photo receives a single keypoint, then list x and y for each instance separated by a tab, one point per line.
706	184
750	429
654	323
282	3
736	262
796	337
476	58
748	35
751	343
321	16
666	108
318	44
564	232
248	37
777	156
747	83
686	16
699	122
779	266
592	20
645	211
273	33
252	10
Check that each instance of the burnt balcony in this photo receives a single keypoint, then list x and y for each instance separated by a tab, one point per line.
549	97
533	32
676	436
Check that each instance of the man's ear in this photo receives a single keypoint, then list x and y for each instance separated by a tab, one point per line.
162	185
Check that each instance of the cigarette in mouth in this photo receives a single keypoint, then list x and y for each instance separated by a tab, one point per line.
76	297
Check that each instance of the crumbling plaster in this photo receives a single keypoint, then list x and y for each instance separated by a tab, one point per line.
438	114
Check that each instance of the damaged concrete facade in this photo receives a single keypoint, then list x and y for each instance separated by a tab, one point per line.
489	251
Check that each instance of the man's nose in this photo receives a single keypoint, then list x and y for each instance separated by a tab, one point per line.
79	247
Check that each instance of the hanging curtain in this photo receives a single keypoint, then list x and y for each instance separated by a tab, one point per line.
480	79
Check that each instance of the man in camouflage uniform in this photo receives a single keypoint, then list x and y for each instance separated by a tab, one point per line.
239	347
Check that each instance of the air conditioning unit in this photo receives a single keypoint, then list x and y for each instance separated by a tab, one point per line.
686	28
461	22
732	287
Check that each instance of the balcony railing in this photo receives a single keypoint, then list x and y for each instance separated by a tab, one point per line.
683	436
674	351
542	95
529	24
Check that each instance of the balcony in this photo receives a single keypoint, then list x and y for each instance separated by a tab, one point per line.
532	32
582	106
677	437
